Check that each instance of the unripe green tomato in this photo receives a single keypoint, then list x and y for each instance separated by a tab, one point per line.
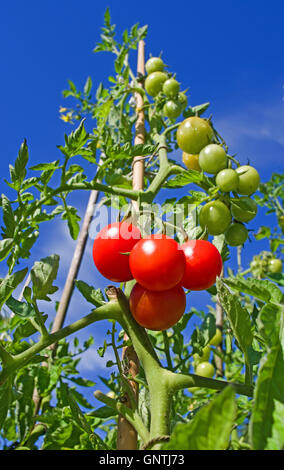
227	180
182	99
215	216
154	83
171	87
217	338
172	109
249	180
213	159
191	161
247	212
204	356
193	134
275	266
154	64
236	234
205	369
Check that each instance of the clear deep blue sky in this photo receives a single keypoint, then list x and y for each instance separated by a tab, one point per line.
229	53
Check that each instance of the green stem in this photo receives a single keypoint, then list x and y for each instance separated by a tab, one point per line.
181	381
131	415
109	311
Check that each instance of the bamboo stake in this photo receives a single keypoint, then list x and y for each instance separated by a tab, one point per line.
219	324
126	434
75	264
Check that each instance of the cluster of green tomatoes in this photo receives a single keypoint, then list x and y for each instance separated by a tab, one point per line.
158	81
201	363
231	207
223	214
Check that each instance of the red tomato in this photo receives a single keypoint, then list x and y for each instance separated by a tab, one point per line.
203	264
157	262
110	244
157	310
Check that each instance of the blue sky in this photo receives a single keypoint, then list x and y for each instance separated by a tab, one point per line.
229	53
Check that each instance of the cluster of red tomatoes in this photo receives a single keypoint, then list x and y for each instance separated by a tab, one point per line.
195	138
158	81
161	267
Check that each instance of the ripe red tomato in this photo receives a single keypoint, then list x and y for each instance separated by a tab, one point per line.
157	262
108	248
203	264
157	310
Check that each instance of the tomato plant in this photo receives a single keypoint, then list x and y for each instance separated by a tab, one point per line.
156	341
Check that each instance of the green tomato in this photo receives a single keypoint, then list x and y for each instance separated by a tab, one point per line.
205	369
154	83
213	159
217	338
236	234
249	180
154	64
204	356
182	99
171	87
193	134
172	109
227	180
215	216
275	266
244	210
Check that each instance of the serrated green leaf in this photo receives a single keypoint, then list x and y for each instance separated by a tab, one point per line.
20	308
8	217
6	246
9	284
266	426
43	273
21	162
211	427
94	296
261	289
239	318
5	400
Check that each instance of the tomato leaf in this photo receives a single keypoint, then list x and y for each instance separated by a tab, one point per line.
43	273
210	428
9	284
94	296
